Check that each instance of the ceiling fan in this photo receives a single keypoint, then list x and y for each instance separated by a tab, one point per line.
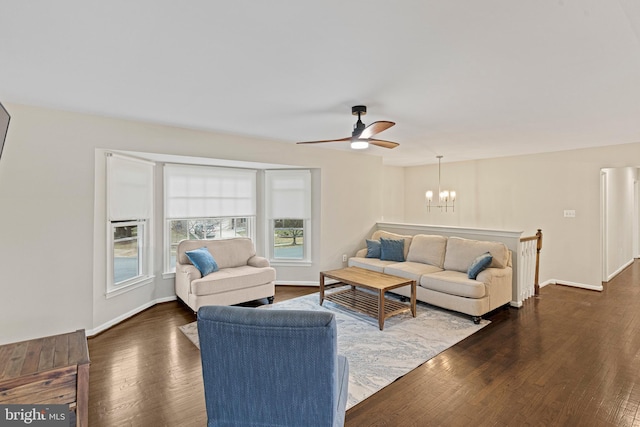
361	136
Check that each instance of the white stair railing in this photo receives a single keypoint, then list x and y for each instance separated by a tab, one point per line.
529	265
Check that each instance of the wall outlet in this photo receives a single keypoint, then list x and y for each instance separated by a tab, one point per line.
344	258
569	213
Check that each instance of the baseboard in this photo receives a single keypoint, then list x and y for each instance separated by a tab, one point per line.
296	283
113	322
577	285
618	271
548	282
519	304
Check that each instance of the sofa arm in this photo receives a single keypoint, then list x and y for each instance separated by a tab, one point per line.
188	272
498	285
258	261
492	274
362	253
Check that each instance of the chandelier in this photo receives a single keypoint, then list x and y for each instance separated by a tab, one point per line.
446	199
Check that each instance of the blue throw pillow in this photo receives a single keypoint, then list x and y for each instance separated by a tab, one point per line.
373	249
479	264
391	249
203	260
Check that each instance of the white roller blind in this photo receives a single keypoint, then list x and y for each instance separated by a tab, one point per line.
129	188
288	194
203	191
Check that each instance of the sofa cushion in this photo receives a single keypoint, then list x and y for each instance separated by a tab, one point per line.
201	258
410	270
373	249
387	235
461	253
229	279
428	249
453	283
373	264
391	249
479	264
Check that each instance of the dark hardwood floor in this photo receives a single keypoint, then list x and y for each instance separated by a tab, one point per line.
570	357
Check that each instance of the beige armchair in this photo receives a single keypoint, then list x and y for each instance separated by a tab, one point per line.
240	276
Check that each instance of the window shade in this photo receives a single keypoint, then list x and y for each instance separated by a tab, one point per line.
129	188
288	194
203	192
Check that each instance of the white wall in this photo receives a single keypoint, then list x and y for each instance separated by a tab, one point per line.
393	194
46	225
52	238
619	228
527	193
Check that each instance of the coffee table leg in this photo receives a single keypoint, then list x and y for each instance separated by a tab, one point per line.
413	298
381	309
321	288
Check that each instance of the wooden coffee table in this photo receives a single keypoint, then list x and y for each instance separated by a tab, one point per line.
373	304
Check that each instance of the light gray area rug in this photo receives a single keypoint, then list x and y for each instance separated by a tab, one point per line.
377	358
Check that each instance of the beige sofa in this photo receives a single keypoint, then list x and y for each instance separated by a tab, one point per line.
439	265
242	276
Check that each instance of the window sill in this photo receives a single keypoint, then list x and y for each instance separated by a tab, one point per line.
169	275
290	263
129	287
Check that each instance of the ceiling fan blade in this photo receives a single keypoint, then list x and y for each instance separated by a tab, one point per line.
326	140
374	128
383	144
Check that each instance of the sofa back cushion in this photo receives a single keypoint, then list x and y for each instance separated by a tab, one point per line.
226	252
461	253
387	235
427	249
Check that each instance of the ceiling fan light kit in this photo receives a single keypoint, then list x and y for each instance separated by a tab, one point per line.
359	144
446	199
362	135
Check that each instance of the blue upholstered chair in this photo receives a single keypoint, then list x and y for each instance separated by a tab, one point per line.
268	367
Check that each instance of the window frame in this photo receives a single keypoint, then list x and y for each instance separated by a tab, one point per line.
280	260
144	257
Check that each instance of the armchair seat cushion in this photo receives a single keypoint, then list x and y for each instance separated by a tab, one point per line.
227	279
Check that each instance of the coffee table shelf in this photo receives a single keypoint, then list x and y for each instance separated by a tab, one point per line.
366	302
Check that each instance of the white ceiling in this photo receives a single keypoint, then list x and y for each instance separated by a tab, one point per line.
466	79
